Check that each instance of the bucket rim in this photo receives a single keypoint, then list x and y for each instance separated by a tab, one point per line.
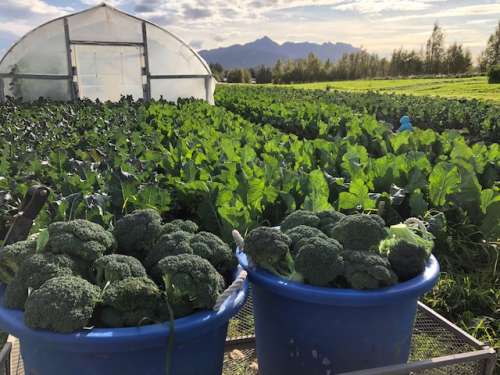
13	322
412	288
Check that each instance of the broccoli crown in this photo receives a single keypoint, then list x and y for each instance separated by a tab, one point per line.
299	217
328	219
364	270
178	224
169	244
319	261
62	304
407	259
80	238
130	302
269	248
301	234
216	251
35	271
11	257
360	232
191	283
116	267
137	232
416	236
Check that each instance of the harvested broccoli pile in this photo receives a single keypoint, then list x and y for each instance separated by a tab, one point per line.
330	249
88	276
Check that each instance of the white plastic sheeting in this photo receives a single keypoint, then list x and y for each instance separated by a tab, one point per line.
111	54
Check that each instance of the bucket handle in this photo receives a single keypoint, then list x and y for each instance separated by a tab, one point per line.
238	282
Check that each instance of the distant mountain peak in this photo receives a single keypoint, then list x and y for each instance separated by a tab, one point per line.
265	51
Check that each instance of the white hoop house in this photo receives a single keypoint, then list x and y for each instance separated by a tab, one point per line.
103	53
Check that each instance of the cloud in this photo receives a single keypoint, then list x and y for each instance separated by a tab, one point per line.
196	44
195	13
464	11
10	9
377	6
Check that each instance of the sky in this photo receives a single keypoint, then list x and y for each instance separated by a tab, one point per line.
379	26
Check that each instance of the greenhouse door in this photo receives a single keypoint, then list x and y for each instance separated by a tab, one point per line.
108	71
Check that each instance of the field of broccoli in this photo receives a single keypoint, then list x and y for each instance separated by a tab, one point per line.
261	153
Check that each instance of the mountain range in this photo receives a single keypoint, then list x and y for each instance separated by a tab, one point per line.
265	51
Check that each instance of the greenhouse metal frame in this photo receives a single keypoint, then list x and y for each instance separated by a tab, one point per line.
72	76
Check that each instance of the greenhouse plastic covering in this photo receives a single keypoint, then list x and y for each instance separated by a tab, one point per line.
103	53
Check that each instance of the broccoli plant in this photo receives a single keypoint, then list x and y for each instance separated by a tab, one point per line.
116	267
319	261
130	302
191	283
61	304
360	232
81	239
300	217
11	257
269	248
408	249
365	270
137	232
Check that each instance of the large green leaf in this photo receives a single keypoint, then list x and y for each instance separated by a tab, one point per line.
443	181
318	192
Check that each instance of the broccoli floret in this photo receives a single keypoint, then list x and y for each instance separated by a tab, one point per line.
62	304
191	283
11	257
35	271
216	251
364	270
328	219
319	261
407	259
137	232
299	217
130	302
178	224
80	238
269	248
116	267
302	234
360	232
168	244
408	249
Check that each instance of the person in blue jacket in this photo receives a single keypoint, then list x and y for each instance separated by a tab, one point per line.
405	124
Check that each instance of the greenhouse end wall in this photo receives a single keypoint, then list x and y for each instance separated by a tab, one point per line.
103	53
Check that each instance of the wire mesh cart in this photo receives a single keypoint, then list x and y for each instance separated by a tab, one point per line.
438	347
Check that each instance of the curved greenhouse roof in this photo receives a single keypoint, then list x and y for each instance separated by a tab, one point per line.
103	53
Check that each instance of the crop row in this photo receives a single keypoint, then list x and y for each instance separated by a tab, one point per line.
475	119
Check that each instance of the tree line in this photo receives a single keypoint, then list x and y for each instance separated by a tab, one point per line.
434	59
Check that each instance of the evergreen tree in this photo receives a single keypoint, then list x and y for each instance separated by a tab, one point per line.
434	55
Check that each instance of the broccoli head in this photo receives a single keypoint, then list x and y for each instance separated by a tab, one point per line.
319	261
116	267
178	224
35	271
81	239
364	270
302	234
360	232
137	232
407	259
328	219
269	248
299	217
191	283
216	251
408	248
61	304
11	257
130	302
168	244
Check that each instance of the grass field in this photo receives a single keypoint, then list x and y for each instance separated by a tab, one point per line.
470	88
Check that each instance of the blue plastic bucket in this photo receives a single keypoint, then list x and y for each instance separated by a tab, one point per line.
303	329
198	345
